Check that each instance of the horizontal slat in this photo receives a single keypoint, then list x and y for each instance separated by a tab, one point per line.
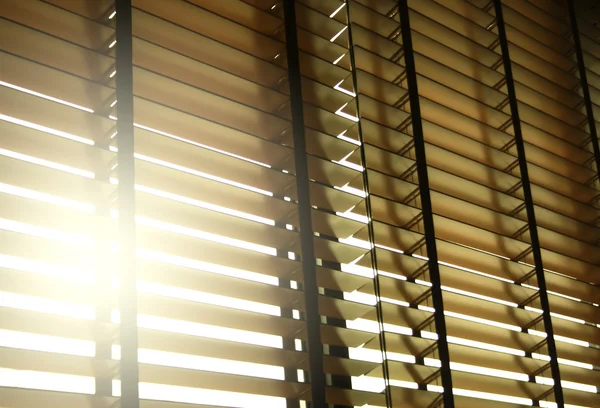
243	14
474	402
265	22
496	385
207	105
498	361
403	344
496	336
574	330
63	219
57	218
170	308
31	322
39	323
555	9
207	161
180	183
578	310
55	182
580	398
38	361
187	247
51	114
203	22
223	285
468	381
55	21
59	150
535	30
51	325
25	398
77	292
189	216
410	372
202	48
482	309
53	52
182	125
533	13
21	398
412	398
350	397
237	199
94	10
57	84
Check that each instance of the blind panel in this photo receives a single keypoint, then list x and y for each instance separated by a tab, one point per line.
242	283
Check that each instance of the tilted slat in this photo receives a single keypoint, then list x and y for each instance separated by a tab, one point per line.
532	12
92	10
54	182
535	30
41	112
21	359
54	21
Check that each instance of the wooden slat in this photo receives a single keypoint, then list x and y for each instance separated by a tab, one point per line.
59	326
581	398
91	9
57	84
206	105
206	161
61	219
54	182
25	398
533	13
59	150
32	360
51	115
535	30
54	21
56	53
211	25
189	216
206	190
496	385
188	247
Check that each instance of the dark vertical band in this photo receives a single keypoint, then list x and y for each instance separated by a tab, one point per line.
363	158
309	268
426	207
584	85
126	205
528	197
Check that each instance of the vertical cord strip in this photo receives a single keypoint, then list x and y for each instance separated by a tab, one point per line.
528	197
309	268
426	206
126	205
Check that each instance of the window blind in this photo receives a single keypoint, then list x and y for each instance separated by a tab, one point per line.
260	203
